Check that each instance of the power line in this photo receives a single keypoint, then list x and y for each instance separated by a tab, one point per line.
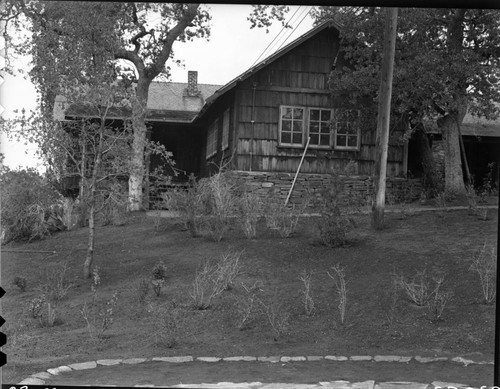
289	35
282	29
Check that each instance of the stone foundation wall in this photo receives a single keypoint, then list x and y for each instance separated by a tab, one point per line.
359	188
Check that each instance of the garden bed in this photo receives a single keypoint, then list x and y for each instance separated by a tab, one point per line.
379	318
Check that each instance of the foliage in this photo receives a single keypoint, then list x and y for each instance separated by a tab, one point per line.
28	201
159	274
44	310
484	263
340	282
86	43
20	282
306	278
446	63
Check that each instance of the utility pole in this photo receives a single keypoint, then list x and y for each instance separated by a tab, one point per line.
383	116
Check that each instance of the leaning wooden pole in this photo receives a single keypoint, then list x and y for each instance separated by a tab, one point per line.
383	117
298	170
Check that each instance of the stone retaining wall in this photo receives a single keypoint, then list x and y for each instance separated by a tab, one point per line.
312	186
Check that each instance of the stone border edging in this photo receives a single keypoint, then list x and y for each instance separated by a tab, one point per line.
39	378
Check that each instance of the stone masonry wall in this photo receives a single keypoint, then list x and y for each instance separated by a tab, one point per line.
312	185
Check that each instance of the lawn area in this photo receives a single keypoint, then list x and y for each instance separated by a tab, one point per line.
379	318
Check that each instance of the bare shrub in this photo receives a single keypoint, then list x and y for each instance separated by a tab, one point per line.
215	277
228	268
282	218
247	306
417	289
338	278
167	328
484	263
437	301
306	278
277	315
98	314
207	285
55	285
250	209
142	290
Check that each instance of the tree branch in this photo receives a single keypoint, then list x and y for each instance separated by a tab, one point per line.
188	16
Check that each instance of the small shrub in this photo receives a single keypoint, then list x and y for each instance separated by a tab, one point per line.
484	263
222	205
44	311
159	276
36	306
277	316
207	285
98	315
250	207
28	200
282	218
228	268
472	200
247	306
21	283
308	300
142	289
417	289
166	327
338	278
54	285
437	301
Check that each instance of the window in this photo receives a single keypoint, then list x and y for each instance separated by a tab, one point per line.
319	127
225	130
346	129
291	131
325	127
212	139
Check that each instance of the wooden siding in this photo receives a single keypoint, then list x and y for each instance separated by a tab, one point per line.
299	78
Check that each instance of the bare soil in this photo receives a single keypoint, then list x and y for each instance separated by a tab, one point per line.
379	321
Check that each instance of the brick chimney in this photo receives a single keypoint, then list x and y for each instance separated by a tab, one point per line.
192	89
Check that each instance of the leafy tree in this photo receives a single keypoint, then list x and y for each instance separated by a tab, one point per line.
447	63
88	41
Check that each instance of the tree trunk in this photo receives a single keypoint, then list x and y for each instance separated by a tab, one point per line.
383	117
431	179
453	174
89	258
136	177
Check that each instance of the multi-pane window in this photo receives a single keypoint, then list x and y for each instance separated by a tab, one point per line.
292	126
319	127
346	129
212	139
225	130
324	127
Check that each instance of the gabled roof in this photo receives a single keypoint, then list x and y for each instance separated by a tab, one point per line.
167	102
273	57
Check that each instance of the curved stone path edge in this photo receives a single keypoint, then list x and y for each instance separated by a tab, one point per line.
39	378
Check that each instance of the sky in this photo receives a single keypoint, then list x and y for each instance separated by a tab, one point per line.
232	49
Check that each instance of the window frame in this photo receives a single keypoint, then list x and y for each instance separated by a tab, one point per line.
280	126
212	139
358	131
330	132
